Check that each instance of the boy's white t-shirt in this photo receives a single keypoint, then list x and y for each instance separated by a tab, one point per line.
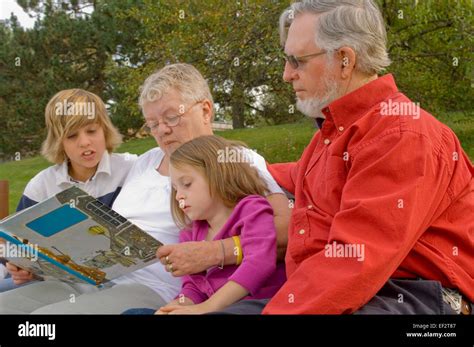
145	201
105	185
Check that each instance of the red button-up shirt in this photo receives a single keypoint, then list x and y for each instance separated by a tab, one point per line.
380	192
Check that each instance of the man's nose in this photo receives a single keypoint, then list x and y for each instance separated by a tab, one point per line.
290	73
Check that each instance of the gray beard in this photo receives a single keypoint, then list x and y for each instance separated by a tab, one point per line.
312	107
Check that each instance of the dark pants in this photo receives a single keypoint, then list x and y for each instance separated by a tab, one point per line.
395	297
140	311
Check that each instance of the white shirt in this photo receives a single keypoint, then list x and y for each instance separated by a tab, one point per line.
104	185
145	201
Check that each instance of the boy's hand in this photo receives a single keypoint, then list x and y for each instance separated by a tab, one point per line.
19	275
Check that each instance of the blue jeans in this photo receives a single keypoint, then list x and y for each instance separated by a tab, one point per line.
137	311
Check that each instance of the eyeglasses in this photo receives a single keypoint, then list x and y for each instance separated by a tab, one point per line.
169	121
296	61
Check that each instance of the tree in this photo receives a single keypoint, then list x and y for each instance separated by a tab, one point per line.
71	46
110	47
234	47
431	46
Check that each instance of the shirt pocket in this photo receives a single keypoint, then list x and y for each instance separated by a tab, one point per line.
326	184
309	233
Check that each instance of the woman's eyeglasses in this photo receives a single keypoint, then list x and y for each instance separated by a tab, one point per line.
170	121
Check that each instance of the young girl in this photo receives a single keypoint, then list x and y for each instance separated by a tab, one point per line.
215	198
80	141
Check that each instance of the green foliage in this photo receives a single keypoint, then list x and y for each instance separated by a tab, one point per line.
110	47
431	45
236	49
68	48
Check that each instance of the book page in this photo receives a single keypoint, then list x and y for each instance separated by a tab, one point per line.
77	233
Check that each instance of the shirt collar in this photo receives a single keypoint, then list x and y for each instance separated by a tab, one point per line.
349	108
319	122
62	174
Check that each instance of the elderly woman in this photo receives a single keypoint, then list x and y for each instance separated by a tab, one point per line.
177	106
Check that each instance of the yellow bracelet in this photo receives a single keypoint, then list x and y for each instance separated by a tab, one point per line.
239	249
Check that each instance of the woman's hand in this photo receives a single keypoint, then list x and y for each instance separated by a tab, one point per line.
189	257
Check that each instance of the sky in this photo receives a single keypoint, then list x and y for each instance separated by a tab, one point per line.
9	6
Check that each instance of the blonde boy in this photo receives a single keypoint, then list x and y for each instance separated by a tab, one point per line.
80	141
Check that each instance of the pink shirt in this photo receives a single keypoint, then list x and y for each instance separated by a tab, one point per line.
259	273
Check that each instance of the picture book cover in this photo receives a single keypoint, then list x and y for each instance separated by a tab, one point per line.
75	238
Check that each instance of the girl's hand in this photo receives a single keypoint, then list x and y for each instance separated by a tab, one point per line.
191	309
177	303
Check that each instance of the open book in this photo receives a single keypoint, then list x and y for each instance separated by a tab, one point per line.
75	238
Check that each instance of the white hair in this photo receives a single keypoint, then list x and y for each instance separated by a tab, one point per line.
184	78
345	23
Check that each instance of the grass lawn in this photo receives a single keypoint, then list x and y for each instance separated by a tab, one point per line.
279	143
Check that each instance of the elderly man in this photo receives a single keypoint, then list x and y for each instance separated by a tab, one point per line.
177	105
384	213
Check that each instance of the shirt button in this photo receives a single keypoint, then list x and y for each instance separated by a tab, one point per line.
310	207
301	231
341	128
327	141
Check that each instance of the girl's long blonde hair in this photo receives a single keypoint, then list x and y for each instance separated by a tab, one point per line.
229	180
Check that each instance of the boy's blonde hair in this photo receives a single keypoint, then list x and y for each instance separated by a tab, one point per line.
70	110
230	181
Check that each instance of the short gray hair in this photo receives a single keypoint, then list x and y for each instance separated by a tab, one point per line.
184	78
352	23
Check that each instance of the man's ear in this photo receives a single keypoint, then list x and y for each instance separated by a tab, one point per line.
208	111
347	58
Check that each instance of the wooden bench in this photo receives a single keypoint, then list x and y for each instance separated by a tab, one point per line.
3	198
